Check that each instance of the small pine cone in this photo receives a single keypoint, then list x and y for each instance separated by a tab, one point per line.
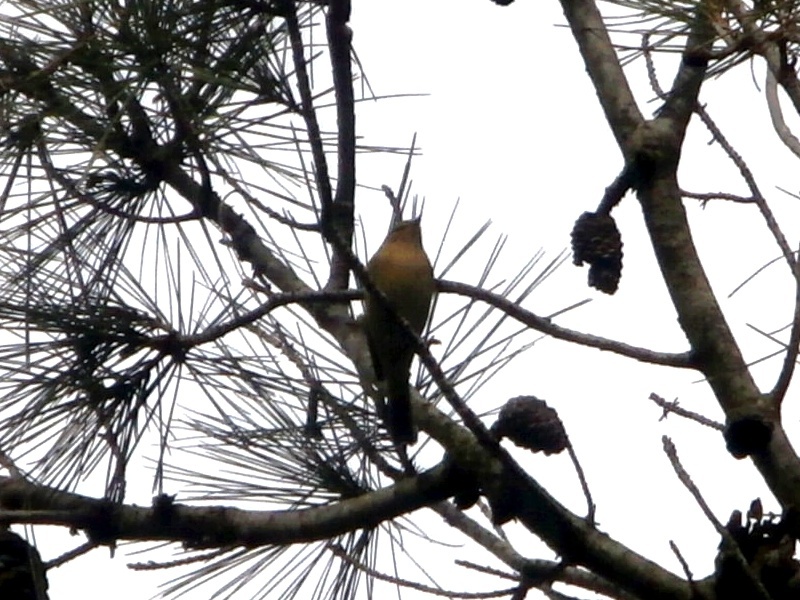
756	511
530	423
597	241
736	529
22	574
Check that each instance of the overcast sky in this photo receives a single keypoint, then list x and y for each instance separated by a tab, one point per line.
512	128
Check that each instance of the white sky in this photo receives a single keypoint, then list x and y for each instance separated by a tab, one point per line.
513	128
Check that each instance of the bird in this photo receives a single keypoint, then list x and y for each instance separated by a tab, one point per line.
401	270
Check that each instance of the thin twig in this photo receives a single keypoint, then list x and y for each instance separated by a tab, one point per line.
684	565
71	555
651	67
778	392
303	298
747	175
591	508
486	570
536	569
776	114
203	557
731	546
322	177
681	360
339	552
708	196
737	159
338	221
672	407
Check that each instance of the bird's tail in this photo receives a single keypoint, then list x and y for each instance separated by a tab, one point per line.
398	412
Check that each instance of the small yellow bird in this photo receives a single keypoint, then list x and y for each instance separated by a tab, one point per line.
401	270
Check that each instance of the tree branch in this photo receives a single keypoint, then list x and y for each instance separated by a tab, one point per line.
217	526
340	220
681	360
601	61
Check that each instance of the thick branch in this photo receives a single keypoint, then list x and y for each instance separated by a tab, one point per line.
717	354
218	526
656	145
603	67
572	537
532	569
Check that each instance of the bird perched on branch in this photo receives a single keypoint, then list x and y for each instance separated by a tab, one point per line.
400	269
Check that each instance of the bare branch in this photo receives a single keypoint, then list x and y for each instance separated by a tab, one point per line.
776	114
338	220
544	325
684	565
607	75
587	494
778	392
433	591
672	407
307	108
209	527
750	180
731	546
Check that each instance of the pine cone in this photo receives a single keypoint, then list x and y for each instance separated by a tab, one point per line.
768	546
22	574
597	241
530	423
